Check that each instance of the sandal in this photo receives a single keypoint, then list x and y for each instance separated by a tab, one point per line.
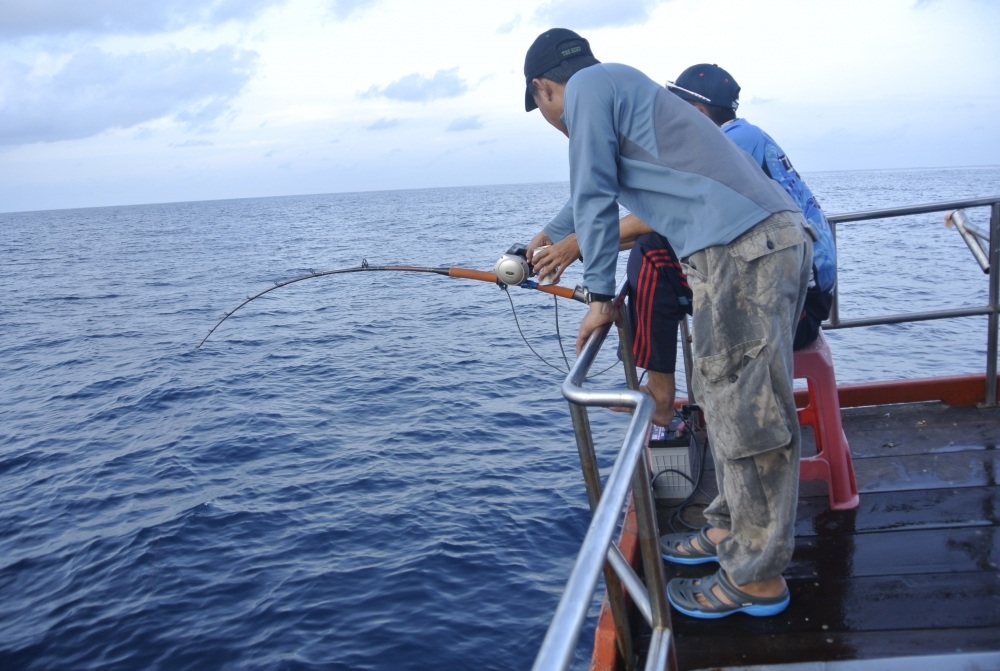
683	595
679	549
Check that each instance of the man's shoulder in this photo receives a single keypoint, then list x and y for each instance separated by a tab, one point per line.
605	85
738	127
617	73
751	139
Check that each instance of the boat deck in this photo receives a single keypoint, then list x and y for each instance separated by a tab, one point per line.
913	571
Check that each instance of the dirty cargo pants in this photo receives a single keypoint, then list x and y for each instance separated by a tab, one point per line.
747	299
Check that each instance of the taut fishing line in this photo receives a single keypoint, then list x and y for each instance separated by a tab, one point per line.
463	273
555	302
364	267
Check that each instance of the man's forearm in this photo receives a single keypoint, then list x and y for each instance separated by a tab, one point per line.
630	227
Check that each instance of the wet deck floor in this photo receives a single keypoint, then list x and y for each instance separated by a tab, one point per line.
912	571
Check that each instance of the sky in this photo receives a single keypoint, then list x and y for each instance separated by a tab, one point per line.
119	102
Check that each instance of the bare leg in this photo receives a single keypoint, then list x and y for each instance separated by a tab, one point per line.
661	386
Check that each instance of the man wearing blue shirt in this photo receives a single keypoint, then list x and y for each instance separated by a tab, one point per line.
715	93
747	255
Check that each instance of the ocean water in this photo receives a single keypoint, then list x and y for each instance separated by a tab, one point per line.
361	471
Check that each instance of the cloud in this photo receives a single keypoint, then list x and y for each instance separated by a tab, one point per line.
465	123
417	88
192	143
96	91
58	17
384	124
510	25
582	14
344	9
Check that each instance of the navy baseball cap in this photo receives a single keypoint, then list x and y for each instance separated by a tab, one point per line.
707	83
547	51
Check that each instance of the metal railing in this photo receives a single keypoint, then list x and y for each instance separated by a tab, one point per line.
972	237
629	476
630	473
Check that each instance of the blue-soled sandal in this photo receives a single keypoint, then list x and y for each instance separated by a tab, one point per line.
678	548
683	595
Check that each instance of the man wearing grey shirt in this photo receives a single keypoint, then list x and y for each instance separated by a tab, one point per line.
747	253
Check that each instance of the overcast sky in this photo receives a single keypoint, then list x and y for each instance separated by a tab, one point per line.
110	102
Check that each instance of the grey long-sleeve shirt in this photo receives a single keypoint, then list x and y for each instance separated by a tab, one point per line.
634	142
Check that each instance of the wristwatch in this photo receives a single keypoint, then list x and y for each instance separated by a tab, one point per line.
584	295
592	297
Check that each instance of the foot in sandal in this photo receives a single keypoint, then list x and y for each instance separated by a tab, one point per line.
716	596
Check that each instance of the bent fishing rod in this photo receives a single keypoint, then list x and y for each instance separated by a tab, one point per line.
511	269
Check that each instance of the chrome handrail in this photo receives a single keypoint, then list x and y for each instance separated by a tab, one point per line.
629	476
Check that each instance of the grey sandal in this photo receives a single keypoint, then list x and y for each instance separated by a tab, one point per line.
679	549
683	595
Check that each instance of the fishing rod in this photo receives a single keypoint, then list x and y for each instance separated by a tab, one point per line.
511	268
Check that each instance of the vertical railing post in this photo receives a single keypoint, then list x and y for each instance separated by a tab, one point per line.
645	508
835	308
592	481
993	319
625	350
688	358
649	547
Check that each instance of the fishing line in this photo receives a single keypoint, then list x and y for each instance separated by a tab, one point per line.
517	323
555	304
562	349
462	273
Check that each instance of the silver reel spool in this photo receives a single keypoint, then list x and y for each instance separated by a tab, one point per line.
512	267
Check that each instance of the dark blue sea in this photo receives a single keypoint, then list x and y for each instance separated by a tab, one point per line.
361	471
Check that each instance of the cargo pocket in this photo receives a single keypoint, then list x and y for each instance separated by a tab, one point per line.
739	401
761	241
769	279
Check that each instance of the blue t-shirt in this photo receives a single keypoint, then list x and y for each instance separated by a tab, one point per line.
766	152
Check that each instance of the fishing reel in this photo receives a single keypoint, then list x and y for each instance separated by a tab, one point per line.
513	266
